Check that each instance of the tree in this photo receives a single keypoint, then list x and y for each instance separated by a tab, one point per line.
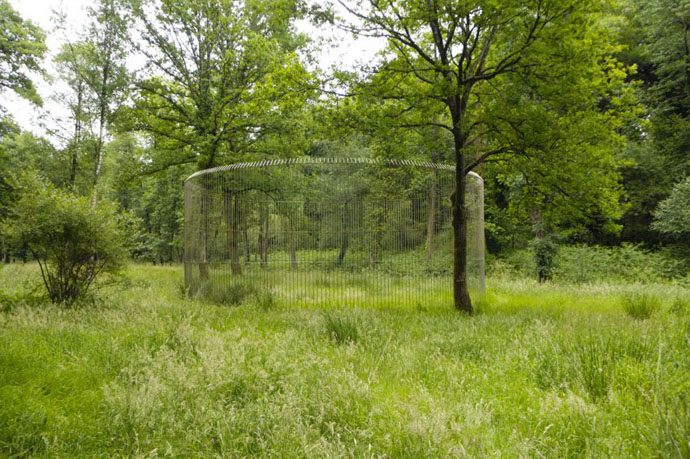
225	77
93	67
105	73
71	64
22	46
498	70
153	200
21	151
226	80
656	38
672	217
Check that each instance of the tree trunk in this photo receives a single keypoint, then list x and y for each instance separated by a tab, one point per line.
245	242
293	245
543	253
431	214
77	134
263	234
103	107
232	216
345	228
433	196
343	250
461	293
203	236
99	164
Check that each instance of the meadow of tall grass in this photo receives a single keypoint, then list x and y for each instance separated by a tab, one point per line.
551	370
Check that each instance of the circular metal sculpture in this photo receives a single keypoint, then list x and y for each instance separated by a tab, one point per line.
339	230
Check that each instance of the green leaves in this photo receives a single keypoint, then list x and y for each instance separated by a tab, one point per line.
72	241
672	217
22	46
228	78
655	36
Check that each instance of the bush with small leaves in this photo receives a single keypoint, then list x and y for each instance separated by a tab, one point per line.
73	241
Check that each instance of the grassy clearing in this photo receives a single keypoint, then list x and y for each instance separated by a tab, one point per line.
542	370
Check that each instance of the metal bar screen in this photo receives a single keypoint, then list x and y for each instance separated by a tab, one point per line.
314	230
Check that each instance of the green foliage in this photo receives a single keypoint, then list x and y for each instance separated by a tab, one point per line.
654	35
534	86
596	264
21	151
73	242
22	46
154	200
231	77
545	249
266	300
640	306
672	216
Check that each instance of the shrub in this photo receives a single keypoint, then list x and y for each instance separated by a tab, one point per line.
72	241
545	250
583	264
640	306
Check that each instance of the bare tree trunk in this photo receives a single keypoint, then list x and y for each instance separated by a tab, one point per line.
77	134
431	214
245	242
375	249
461	293
433	196
343	250
103	107
345	228
203	236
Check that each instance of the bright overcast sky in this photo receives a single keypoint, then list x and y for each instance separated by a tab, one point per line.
346	53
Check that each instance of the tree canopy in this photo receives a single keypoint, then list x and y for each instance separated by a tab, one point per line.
22	47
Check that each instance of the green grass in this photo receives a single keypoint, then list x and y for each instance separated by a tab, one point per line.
540	370
641	306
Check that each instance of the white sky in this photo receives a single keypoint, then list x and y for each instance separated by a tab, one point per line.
344	52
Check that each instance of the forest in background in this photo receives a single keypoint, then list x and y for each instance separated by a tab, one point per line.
594	160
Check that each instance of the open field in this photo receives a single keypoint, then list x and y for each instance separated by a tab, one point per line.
541	370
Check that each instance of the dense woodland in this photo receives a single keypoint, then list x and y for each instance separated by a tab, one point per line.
576	113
